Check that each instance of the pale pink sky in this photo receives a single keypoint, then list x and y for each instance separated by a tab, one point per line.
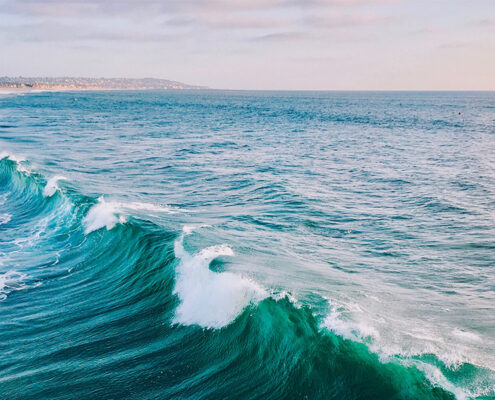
270	44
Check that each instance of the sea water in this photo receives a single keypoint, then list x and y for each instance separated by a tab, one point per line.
252	245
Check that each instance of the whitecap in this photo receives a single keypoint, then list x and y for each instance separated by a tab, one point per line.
437	378
278	296
347	328
207	298
110	213
139	206
51	186
100	215
19	161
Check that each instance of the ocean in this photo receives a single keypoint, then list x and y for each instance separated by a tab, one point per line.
247	245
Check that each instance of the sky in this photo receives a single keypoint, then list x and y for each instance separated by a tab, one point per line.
256	44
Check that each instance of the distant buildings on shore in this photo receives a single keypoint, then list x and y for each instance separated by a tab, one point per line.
92	83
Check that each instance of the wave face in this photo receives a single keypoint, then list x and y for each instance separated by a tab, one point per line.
247	245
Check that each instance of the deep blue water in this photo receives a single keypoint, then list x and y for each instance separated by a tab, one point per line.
208	244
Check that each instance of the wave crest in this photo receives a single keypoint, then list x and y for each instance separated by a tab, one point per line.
110	213
51	186
207	298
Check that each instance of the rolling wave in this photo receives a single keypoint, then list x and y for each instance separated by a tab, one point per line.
88	269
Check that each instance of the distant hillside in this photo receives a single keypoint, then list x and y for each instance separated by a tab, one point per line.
92	83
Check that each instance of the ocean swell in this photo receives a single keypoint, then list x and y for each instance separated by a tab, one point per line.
127	271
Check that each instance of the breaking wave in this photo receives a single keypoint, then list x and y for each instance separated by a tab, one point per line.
183	307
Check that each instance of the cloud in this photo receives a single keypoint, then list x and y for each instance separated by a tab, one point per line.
281	37
60	32
157	20
81	8
454	45
352	20
127	8
245	21
485	22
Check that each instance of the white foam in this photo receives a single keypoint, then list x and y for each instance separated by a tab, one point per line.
100	215
5	218
188	229
277	296
466	335
138	206
407	340
11	281
348	329
20	166
51	186
437	378
10	156
207	298
109	213
39	229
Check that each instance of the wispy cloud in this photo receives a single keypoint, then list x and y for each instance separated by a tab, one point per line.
243	21
156	20
81	8
332	21
485	22
253	43
455	45
61	32
281	37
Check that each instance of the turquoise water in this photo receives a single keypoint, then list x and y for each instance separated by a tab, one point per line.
254	245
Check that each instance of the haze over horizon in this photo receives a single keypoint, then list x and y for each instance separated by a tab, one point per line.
271	44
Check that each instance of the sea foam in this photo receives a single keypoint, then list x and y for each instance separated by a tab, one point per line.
110	213
51	186
348	329
207	298
5	218
100	215
19	161
11	281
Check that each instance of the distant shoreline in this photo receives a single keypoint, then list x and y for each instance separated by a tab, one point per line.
80	89
74	83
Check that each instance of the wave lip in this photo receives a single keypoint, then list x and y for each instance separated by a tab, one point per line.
207	298
19	161
110	213
51	186
100	215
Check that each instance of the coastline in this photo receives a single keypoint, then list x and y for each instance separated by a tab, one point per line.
5	90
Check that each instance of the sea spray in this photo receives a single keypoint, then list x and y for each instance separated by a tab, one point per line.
102	214
109	213
207	298
51	185
11	281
